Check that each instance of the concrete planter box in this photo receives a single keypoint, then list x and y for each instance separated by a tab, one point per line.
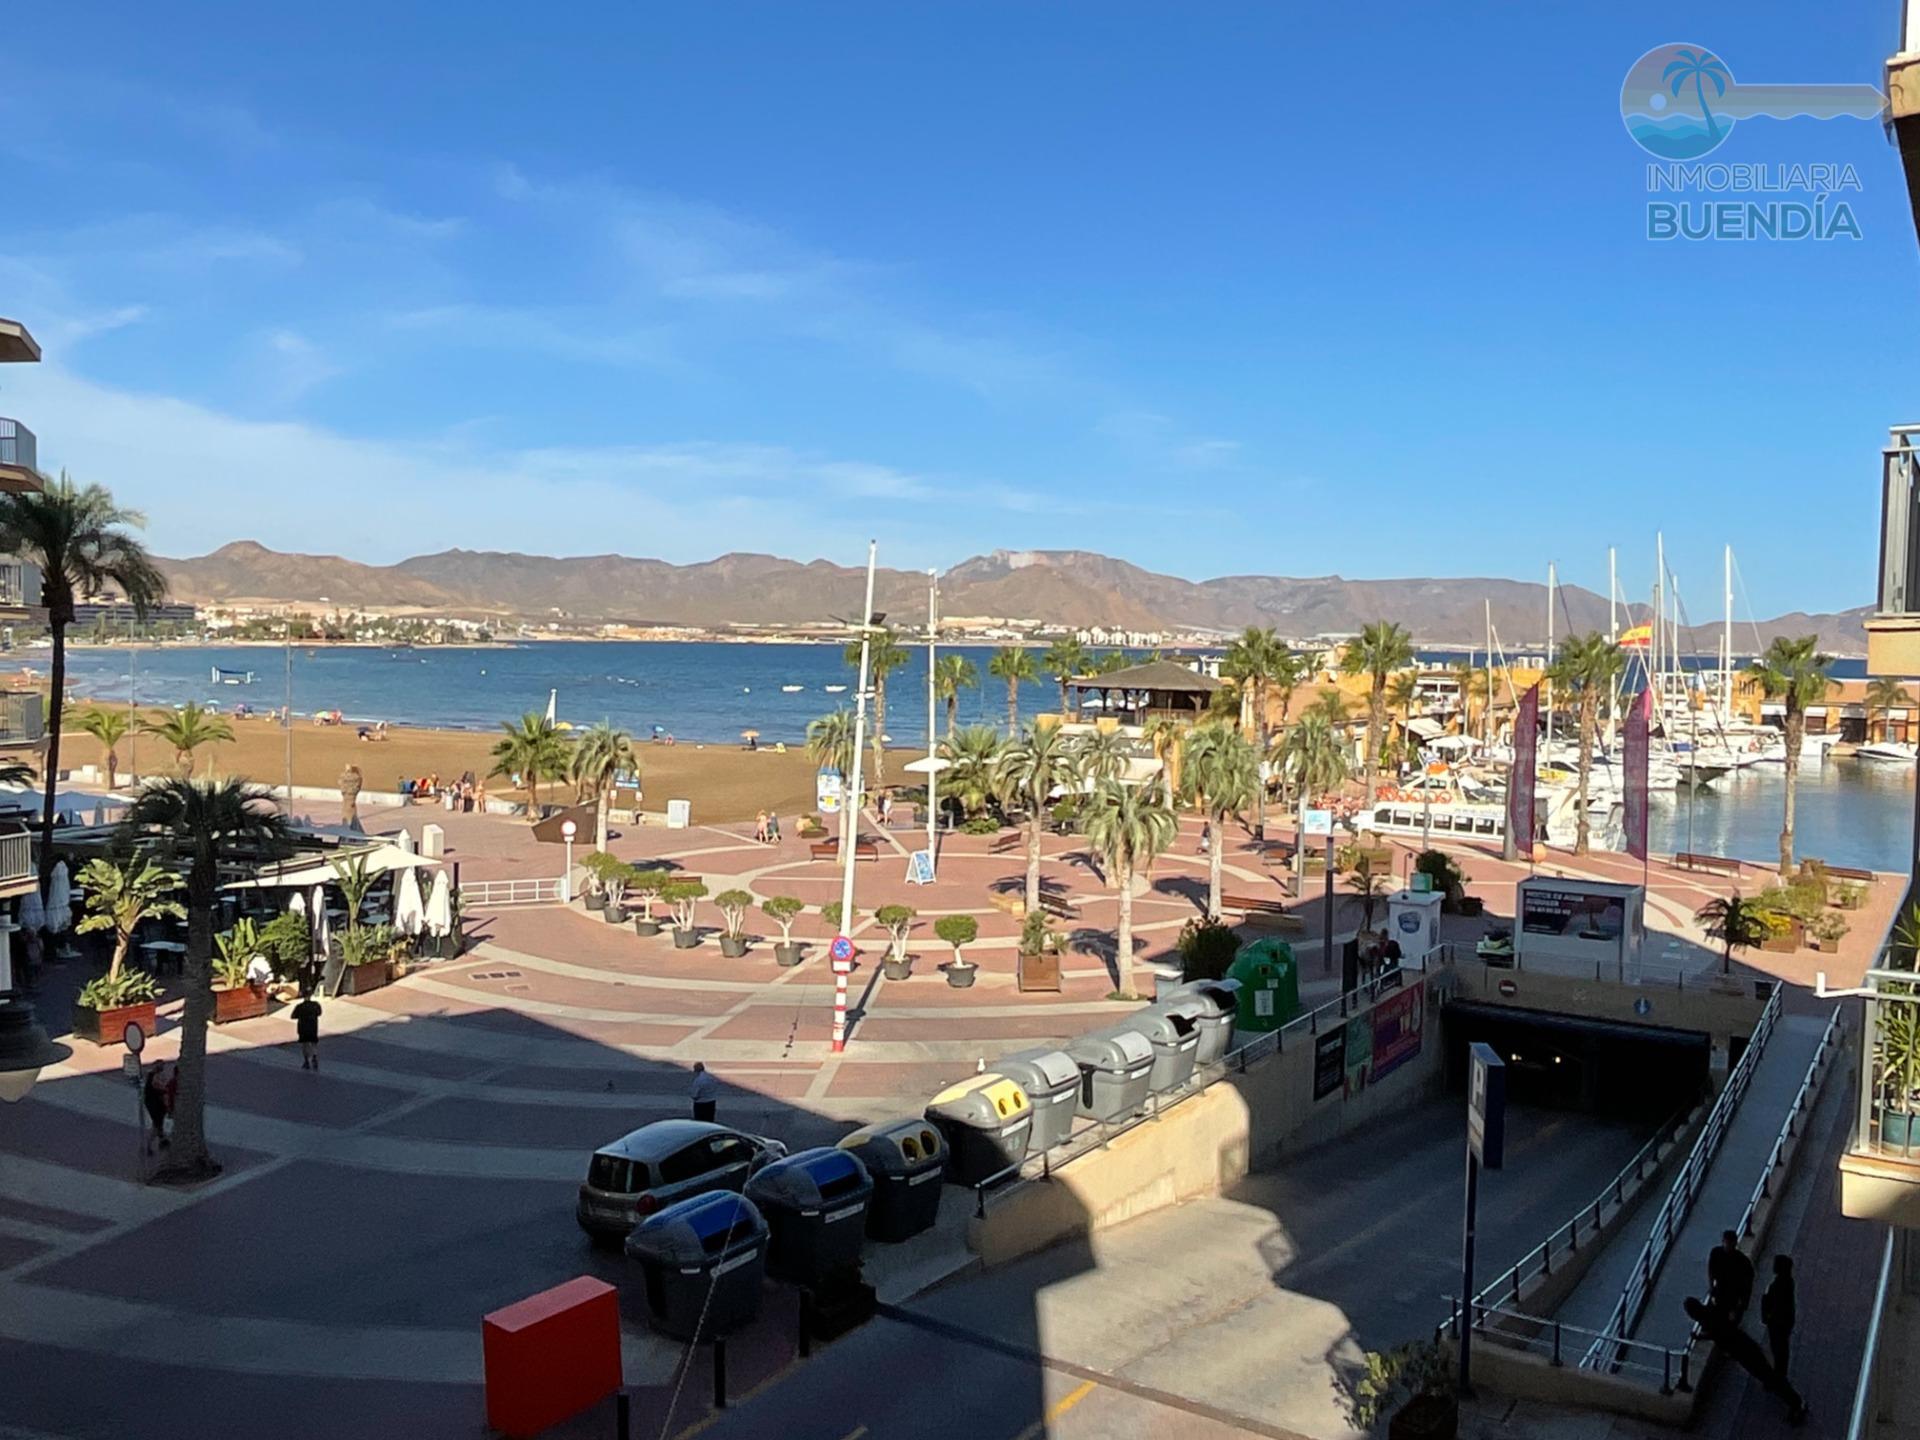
105	1027
242	1002
961	973
363	979
733	946
897	969
643	926
788	956
685	939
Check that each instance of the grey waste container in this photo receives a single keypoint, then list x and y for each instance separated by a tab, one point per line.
905	1160
815	1204
1219	1002
987	1122
1052	1082
1115	1067
1175	1043
712	1245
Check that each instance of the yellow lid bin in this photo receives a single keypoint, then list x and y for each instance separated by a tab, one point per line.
987	1121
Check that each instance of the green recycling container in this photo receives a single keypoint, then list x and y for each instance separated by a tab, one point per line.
1269	986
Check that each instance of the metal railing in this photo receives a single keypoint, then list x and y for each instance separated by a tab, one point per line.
491	894
1674	1210
22	716
16	851
1090	1135
1888	1123
1860	1423
1542	1335
18	446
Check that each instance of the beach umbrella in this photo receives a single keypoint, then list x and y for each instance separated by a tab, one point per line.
439	911
33	914
749	734
408	913
59	900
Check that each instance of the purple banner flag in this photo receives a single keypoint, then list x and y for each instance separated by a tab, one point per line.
1520	784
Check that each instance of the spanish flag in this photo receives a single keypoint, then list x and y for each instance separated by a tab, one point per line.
1640	637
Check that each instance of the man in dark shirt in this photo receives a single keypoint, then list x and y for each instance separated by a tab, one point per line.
1777	1312
306	1020
1729	1278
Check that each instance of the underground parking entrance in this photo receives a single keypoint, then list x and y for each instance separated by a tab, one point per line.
1570	1062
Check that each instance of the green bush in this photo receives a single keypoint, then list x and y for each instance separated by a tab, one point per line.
980	825
1034	933
1828	927
957	930
783	910
366	945
287	942
1800	900
1849	895
1066	810
733	907
1207	949
130	987
830	912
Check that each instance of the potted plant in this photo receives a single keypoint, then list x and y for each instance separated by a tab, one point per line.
958	931
593	895
897	921
233	997
1412	1388
783	910
119	896
646	884
1848	895
681	897
366	959
1826	930
108	1003
1038	967
287	942
1447	877
614	880
1896	1061
733	911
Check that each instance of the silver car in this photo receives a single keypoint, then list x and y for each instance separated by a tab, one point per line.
660	1164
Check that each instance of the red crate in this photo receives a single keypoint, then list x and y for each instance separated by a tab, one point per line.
551	1355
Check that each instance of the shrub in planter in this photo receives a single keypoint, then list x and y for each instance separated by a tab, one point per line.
809	826
783	910
1827	929
366	959
836	922
1207	948
897	921
614	880
598	864
233	997
1896	1063
1412	1387
1034	933
647	885
733	910
120	896
1848	895
980	825
287	942
1447	877
681	897
107	1003
958	931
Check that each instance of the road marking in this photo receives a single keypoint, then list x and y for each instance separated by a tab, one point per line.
1055	1411
855	1433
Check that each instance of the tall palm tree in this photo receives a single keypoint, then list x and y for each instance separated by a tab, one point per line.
1104	755
1381	648
1794	672
1313	761
78	538
1258	662
109	727
1013	663
1025	776
1472	684
600	754
1065	659
534	748
830	744
1110	661
1127	826
884	656
1219	772
1885	694
201	823
951	674
1587	670
1164	733
187	729
1737	924
1290	670
972	755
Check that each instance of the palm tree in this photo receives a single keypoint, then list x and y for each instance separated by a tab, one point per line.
1027	773
1290	668
202	822
1885	694
1332	708
1104	755
533	747
972	755
885	655
109	727
1164	733
121	895
600	754
951	674
1737	924
1258	661
1795	673
78	539
1382	648
1588	669
1127	826
187	729
1313	760
1111	661
830	744
1013	663
1065	659
1696	66
1472	684
1219	772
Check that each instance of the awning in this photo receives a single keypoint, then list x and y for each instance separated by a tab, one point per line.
306	872
1426	729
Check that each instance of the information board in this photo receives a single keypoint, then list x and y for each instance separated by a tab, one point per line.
1329	1062
920	868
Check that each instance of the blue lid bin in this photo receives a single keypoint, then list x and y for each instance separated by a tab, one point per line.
815	1204
703	1263
904	1160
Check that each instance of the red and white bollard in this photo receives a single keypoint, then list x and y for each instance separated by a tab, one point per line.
841	952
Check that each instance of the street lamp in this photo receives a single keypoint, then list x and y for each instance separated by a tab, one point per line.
567	831
24	1047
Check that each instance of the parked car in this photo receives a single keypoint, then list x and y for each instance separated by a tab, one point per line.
661	1163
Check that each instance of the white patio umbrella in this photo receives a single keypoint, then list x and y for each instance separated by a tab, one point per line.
298	905
406	842
59	900
322	932
439	913
33	914
408	913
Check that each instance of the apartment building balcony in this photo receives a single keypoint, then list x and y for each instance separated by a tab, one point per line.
1880	1171
23	718
19	457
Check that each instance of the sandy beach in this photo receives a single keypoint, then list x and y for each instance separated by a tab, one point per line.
724	783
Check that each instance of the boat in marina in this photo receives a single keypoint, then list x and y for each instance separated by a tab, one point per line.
231	677
1888	752
835	689
791	689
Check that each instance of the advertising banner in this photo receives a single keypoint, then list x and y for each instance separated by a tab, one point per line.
1520	784
1397	1029
1329	1062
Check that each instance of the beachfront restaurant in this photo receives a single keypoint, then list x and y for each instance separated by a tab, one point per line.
1138	693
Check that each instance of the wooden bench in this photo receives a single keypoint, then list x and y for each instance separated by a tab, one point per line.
1266	909
1007	843
1718	864
1849	872
863	849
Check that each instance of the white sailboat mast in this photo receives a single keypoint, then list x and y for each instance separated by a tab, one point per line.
1726	641
1550	584
1613	638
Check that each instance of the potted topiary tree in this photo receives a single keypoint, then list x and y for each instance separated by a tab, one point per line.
614	880
1826	930
958	931
897	921
646	884
119	897
594	896
682	896
783	910
733	911
233	997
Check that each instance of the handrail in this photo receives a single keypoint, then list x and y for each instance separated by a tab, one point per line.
1859	1422
1678	1205
1550	1335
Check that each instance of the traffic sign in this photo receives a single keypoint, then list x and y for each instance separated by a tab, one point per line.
133	1037
1316	822
1487	1106
841	948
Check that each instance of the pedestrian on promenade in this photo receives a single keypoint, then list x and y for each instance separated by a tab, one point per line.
1729	1278
760	827
1206	837
306	1021
773	828
1745	1352
153	1096
706	1093
1777	1313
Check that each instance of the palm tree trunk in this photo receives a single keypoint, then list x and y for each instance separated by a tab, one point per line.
56	698
190	1157
1796	731
1033	861
113	768
1123	940
600	819
1063	697
1581	833
1375	705
1013	706
953	712
879	730
1213	866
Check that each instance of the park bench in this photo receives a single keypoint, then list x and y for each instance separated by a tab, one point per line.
1850	872
1266	909
863	849
1718	864
1007	843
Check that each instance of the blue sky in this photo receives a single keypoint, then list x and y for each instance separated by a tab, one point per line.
1220	289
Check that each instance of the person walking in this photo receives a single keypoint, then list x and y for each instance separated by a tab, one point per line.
1729	1278
153	1096
773	828
706	1093
1777	1313
306	1022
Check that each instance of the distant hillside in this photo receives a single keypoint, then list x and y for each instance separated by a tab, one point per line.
1055	587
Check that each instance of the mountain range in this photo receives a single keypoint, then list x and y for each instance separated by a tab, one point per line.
1051	587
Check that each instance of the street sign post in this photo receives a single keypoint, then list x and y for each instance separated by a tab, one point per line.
1486	1145
840	953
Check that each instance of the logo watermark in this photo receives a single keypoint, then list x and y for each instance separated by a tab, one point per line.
1681	103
